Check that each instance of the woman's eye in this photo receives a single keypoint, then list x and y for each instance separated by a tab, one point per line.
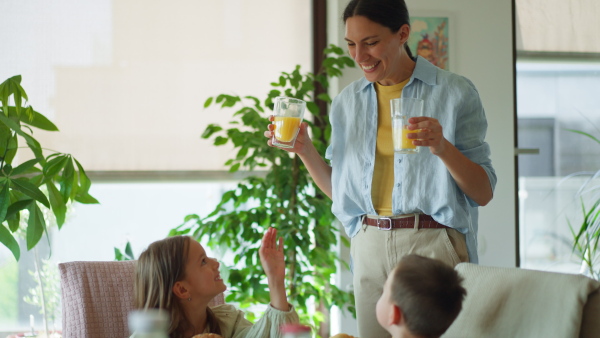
350	44
372	43
203	262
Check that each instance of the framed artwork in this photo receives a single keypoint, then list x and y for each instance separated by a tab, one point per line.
430	37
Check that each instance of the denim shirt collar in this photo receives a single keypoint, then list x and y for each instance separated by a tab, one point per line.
424	71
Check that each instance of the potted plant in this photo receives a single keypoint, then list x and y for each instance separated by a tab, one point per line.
51	181
36	192
587	235
283	196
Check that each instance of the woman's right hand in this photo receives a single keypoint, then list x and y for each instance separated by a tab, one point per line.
303	141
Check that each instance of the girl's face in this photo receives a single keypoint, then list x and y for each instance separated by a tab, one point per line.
376	49
202	273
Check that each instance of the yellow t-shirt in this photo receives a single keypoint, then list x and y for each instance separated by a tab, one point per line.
383	173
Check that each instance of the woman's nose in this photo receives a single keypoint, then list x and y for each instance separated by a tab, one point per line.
360	54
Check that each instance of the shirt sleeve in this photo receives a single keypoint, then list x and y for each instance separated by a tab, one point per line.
266	327
471	132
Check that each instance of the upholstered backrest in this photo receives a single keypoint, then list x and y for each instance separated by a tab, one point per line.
96	298
513	302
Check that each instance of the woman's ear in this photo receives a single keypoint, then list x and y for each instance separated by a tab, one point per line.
404	33
180	290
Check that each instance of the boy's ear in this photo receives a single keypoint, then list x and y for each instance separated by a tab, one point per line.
180	290
396	315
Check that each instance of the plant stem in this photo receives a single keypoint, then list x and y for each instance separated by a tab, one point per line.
39	276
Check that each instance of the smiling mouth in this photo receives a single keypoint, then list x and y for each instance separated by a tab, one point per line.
370	67
218	278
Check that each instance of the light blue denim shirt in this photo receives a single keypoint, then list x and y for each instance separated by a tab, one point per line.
422	182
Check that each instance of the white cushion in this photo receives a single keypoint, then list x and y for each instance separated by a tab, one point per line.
514	302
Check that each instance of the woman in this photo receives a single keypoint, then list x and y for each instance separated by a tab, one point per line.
175	274
391	204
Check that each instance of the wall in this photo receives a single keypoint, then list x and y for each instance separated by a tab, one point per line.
483	51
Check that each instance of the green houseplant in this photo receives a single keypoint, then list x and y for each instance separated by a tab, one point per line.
587	235
45	181
284	197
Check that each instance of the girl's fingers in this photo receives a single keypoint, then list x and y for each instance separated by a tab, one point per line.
280	248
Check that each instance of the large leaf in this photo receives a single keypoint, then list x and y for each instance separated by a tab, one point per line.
36	225
66	183
59	207
31	142
55	165
9	241
86	199
37	120
4	200
24	186
24	167
9	145
32	118
84	180
13	210
12	86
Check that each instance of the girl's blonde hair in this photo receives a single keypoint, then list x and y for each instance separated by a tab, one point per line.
158	268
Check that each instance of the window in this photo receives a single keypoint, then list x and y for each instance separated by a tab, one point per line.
558	73
125	81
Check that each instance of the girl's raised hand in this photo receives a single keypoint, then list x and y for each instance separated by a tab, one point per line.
271	256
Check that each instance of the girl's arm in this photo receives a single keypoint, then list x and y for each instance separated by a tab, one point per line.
272	260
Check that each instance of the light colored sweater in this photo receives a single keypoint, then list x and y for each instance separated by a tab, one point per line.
234	324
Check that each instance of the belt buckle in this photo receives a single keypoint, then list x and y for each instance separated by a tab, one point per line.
384	219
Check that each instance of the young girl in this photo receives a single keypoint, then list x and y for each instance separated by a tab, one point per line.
175	274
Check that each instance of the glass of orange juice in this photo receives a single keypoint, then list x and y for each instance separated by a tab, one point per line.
402	110
287	116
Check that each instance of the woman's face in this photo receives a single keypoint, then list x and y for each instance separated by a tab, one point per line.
202	273
376	49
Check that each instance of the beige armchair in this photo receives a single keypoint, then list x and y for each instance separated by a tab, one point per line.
96	298
513	302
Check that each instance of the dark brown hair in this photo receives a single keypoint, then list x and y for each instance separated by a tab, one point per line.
392	14
429	293
158	268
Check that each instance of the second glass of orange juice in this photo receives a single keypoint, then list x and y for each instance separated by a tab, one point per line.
403	109
287	116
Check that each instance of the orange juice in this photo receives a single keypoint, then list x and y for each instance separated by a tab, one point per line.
286	127
406	142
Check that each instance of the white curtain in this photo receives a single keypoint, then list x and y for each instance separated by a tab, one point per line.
564	26
125	80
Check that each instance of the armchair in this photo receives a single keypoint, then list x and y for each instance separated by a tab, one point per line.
96	298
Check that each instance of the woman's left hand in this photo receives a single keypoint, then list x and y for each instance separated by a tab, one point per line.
431	134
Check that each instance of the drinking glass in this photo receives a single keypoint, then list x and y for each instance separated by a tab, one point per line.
402	110
288	113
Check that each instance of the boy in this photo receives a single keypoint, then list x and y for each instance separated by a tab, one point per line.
421	298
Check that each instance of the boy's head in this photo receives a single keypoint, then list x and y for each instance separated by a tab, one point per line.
421	294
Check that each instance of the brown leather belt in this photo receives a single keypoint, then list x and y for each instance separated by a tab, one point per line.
386	223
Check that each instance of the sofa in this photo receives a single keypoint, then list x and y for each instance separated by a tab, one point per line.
515	302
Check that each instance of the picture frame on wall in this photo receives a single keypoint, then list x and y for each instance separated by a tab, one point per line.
431	36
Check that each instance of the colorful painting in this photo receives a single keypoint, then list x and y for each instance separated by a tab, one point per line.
429	39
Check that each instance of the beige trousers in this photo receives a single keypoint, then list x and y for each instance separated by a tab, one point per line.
376	252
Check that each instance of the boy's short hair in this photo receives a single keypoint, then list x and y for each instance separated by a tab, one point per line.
429	293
